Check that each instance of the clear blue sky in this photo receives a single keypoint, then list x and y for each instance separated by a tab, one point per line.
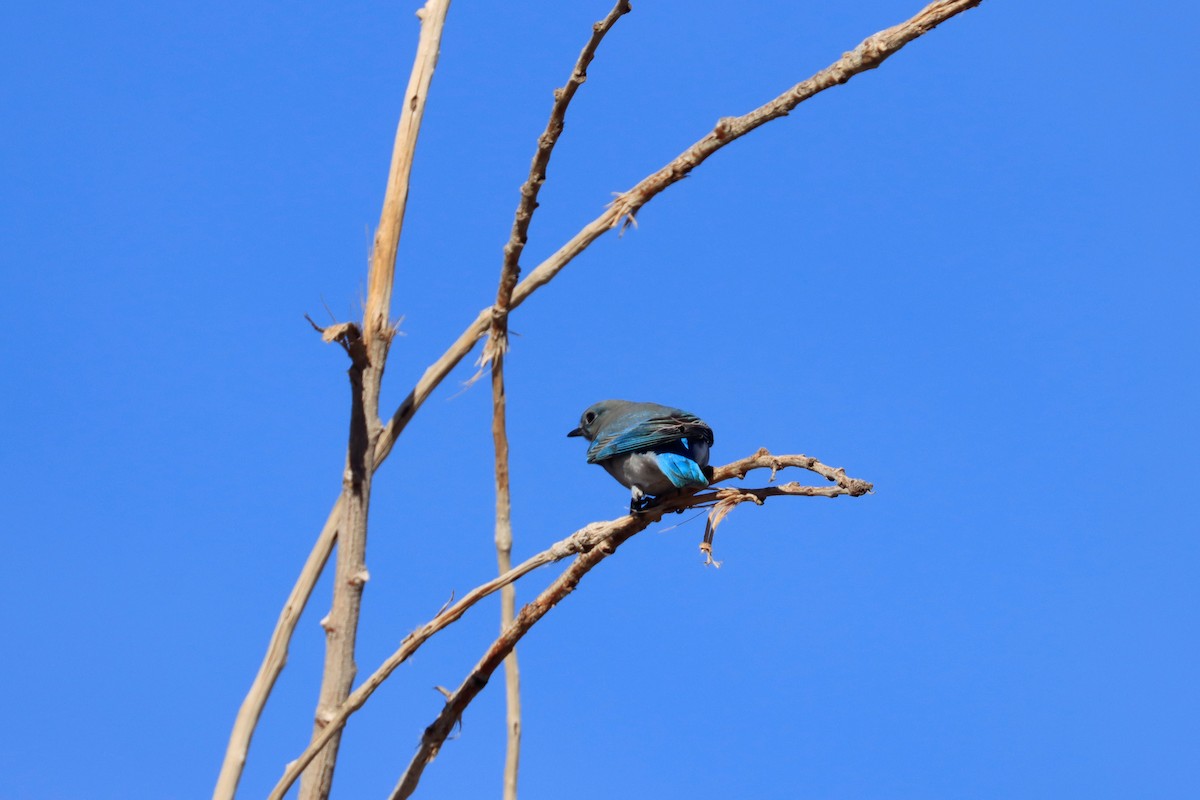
969	277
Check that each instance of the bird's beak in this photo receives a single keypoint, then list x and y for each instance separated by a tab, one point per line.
576	432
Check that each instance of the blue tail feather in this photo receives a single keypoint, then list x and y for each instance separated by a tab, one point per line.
681	470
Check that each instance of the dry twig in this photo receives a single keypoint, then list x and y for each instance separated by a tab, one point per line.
508	595
511	270
452	711
604	539
495	352
583	541
366	378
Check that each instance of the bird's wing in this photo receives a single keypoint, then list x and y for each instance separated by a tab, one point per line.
647	433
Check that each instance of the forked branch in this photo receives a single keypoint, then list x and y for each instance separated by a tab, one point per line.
583	541
603	540
869	54
369	359
510	270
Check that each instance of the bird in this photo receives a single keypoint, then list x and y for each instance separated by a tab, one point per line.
649	448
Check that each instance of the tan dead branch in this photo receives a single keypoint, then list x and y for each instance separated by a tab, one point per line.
494	354
366	380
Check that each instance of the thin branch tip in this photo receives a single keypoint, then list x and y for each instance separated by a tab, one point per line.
709	561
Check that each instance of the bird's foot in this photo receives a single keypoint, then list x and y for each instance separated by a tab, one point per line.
639	504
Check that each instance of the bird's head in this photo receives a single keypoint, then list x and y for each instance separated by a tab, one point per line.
593	418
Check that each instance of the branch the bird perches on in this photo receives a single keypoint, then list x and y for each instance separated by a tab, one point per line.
590	545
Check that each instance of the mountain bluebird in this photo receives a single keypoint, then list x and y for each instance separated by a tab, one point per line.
650	449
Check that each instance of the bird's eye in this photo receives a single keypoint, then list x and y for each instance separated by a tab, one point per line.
589	417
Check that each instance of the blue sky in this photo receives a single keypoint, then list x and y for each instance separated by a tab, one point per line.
968	276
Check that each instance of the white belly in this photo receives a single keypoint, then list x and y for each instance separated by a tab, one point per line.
639	470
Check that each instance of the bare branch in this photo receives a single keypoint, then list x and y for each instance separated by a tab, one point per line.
368	353
764	460
605	538
583	540
274	661
508	594
494	353
510	270
350	573
391	219
436	733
